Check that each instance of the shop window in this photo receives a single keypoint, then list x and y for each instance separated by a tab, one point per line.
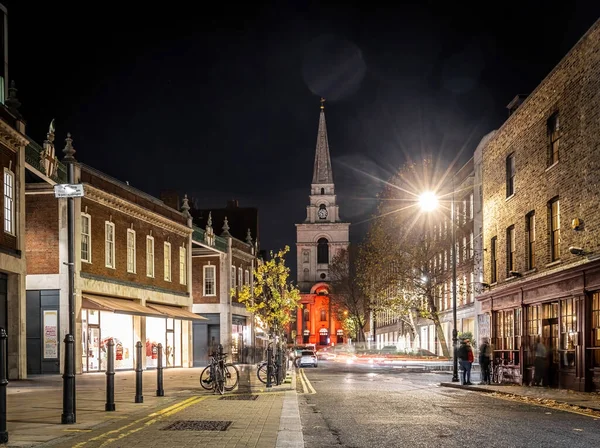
323	251
533	316
109	244
494	260
510	250
9	201
323	315
209	280
530	234
554	212
86	238
131	251
595	325
182	265
553	128
150	256
568	332
507	335
167	261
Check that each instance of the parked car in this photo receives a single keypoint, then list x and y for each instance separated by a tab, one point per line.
308	357
325	354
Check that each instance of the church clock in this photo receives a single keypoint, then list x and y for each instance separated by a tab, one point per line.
322	212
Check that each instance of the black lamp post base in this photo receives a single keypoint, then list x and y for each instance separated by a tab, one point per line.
67	419
455	379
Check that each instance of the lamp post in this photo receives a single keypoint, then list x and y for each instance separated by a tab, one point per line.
428	201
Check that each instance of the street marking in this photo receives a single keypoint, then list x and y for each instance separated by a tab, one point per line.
77	430
163	412
306	383
509	397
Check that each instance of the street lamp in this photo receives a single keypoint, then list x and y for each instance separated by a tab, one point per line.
428	201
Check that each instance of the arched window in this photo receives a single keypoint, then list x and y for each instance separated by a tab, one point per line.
323	251
306	315
322	190
306	275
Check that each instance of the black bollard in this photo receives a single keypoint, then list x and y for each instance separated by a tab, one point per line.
160	392
269	364
110	376
3	384
139	397
68	414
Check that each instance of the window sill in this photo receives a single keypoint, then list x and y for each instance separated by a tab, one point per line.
110	267
551	166
86	261
530	271
508	198
554	263
131	272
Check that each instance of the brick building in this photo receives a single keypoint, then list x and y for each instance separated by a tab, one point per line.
132	271
220	264
541	227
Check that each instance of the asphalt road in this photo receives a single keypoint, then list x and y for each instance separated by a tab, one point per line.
369	406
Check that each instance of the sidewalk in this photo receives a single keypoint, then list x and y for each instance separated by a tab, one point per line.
537	395
34	406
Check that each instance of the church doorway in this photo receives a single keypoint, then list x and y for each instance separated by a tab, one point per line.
323	336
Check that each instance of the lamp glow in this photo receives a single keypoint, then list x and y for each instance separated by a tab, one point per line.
428	201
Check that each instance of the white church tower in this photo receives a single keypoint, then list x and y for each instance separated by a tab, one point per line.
323	233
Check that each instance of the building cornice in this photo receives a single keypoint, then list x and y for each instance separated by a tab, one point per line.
11	138
136	285
241	254
135	211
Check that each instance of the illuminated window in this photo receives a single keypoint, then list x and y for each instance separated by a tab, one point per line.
9	201
323	315
182	265
131	251
86	238
167	261
109	244
209	280
150	256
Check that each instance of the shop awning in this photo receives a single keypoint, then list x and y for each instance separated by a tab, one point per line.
176	312
121	306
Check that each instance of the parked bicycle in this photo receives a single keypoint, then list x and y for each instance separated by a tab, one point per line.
262	371
218	375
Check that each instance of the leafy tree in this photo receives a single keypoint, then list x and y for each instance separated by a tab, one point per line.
348	298
272	297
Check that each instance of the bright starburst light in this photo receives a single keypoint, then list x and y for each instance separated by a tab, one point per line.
428	201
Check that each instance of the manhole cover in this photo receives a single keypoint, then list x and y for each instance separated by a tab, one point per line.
197	425
239	397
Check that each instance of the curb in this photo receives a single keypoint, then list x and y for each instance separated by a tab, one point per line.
488	390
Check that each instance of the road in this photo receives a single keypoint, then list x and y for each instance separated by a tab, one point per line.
370	406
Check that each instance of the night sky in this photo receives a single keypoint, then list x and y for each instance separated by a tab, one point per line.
222	102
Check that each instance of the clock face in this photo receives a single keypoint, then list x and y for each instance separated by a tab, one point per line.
322	213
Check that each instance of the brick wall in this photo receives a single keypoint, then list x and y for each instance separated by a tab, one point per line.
573	90
41	234
198	264
8	159
99	215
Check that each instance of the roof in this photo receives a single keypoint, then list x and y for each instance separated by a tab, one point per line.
322	173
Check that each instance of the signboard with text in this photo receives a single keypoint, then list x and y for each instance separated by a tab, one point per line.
50	334
68	190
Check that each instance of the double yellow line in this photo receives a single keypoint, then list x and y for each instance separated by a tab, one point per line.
306	386
147	421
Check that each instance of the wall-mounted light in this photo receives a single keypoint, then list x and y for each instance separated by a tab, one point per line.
577	224
578	251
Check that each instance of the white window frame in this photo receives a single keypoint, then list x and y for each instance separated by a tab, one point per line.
9	202
233	277
149	256
167	261
89	238
247	277
182	265
131	251
109	246
212	268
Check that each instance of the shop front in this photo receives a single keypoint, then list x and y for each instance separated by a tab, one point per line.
240	337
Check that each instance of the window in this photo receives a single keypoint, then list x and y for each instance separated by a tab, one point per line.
183	265
323	251
471	206
322	190
167	261
530	234
109	244
553	139
568	332
465	248
471	246
9	201
464	213
510	250
233	282
554	211
209	280
240	278
150	256
86	238
494	261
471	287
595	325
247	277
510	175
131	251
508	334
323	315
306	315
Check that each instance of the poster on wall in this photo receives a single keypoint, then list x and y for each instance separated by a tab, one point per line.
483	322
50	334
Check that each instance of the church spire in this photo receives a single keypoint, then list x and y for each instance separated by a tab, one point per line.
322	173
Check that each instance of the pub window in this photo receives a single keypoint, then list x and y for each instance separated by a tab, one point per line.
149	256
568	332
86	238
510	175
323	315
533	316
554	212
510	250
595	344
209	280
508	330
167	261
323	251
553	138
109	244
182	265
530	234
494	260
131	251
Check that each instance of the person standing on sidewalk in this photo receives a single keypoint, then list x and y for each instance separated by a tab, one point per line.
485	359
465	357
540	363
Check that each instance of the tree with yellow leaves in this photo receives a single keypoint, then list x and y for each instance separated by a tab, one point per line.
272	297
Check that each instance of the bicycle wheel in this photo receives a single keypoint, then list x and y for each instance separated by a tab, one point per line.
219	381
232	377
206	380
262	375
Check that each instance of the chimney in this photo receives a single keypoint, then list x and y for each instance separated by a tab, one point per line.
515	103
232	203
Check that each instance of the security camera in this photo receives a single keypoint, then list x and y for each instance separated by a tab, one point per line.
576	250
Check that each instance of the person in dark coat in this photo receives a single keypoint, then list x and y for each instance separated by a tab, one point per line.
465	358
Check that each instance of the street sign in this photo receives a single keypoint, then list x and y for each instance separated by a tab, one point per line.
68	190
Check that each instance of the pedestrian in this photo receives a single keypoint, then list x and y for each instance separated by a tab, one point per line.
539	376
485	360
465	356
